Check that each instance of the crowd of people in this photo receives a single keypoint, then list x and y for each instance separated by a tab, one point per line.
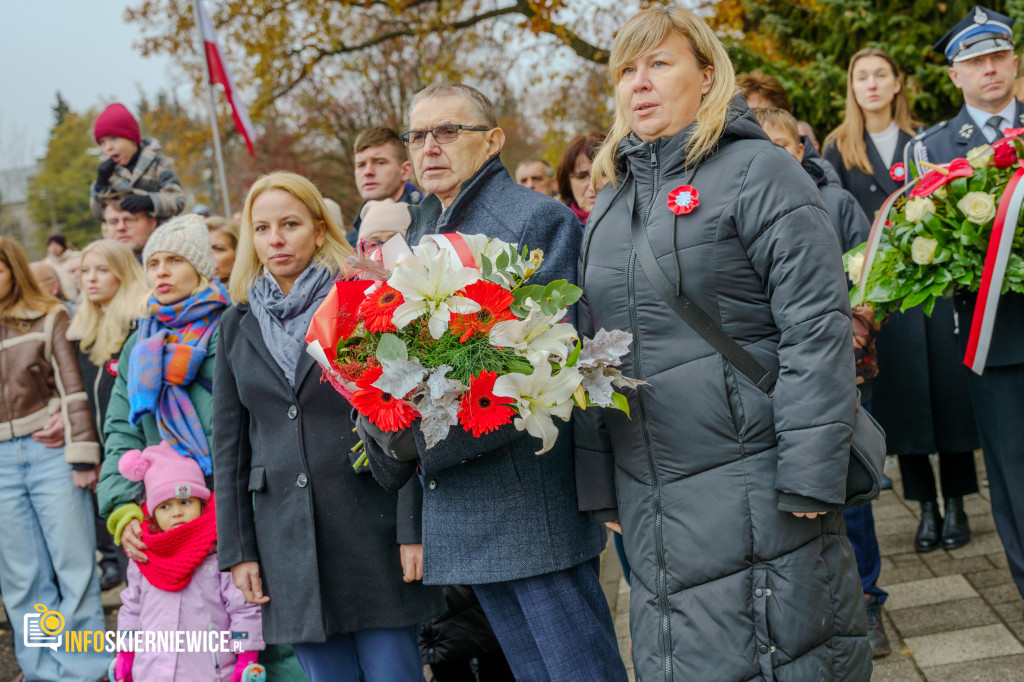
158	405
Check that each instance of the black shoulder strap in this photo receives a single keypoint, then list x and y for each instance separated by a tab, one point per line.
684	307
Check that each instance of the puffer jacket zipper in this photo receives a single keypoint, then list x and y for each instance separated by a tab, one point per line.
661	581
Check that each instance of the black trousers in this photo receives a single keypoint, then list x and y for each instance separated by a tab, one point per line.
998	397
957	475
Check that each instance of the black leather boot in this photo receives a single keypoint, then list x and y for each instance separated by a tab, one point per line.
929	531
955	531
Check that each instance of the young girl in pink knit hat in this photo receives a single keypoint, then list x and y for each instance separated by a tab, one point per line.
179	587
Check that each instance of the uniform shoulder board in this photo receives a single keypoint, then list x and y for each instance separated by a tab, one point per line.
935	128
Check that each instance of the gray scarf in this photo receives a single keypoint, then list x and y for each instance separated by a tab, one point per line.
285	319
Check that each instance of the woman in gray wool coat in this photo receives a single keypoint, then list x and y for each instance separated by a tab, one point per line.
334	559
728	498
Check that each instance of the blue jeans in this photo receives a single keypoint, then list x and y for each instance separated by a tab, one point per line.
860	527
47	541
382	655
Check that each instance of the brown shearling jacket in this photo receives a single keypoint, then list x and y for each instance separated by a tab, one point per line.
41	377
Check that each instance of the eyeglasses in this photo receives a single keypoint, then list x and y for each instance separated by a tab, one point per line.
580	175
414	139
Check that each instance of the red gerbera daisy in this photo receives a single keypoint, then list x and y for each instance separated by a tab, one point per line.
383	409
481	411
494	307
379	307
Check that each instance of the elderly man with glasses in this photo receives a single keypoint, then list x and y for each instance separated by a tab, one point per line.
495	515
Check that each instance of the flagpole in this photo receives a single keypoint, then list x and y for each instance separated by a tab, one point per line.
213	119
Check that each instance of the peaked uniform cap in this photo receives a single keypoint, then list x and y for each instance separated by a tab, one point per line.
981	32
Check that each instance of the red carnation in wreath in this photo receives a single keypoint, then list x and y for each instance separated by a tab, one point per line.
898	172
378	309
683	199
383	409
481	411
494	307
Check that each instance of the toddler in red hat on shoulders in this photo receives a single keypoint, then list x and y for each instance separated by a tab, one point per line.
134	167
179	587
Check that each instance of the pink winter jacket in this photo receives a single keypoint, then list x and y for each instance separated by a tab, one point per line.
209	602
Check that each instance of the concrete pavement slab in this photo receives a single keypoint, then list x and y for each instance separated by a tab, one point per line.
1008	669
930	591
895	668
972	644
942	562
989	577
952	615
981	543
1002	594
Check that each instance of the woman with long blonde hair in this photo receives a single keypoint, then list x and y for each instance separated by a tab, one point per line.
113	297
47	545
325	549
866	149
726	491
920	395
113	292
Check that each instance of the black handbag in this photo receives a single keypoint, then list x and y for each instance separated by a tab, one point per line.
867	445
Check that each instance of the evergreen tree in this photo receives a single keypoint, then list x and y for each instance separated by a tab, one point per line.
807	44
59	193
60	110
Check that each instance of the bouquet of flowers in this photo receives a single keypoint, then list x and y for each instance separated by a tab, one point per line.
937	239
455	335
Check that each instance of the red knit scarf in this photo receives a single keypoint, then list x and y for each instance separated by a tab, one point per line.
175	554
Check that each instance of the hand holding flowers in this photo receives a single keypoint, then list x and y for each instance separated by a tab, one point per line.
456	334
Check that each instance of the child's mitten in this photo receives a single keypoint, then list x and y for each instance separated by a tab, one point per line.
244	659
123	667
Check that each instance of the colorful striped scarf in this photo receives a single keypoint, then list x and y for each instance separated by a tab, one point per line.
171	346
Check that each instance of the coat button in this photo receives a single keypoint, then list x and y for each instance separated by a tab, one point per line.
873	188
292	412
302	481
432	484
763	649
759	592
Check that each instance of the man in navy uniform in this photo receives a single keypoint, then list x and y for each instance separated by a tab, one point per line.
983	67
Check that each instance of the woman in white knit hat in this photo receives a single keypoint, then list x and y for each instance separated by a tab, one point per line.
162	391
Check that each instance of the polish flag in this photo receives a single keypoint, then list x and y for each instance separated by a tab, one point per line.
219	74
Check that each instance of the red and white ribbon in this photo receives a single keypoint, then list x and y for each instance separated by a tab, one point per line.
456	245
875	236
996	259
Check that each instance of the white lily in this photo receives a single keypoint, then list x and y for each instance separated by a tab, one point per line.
538	333
428	282
539	397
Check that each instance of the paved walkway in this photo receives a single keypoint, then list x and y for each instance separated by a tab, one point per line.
951	616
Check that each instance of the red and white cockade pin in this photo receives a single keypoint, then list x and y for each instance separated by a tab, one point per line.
111	367
898	172
683	199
